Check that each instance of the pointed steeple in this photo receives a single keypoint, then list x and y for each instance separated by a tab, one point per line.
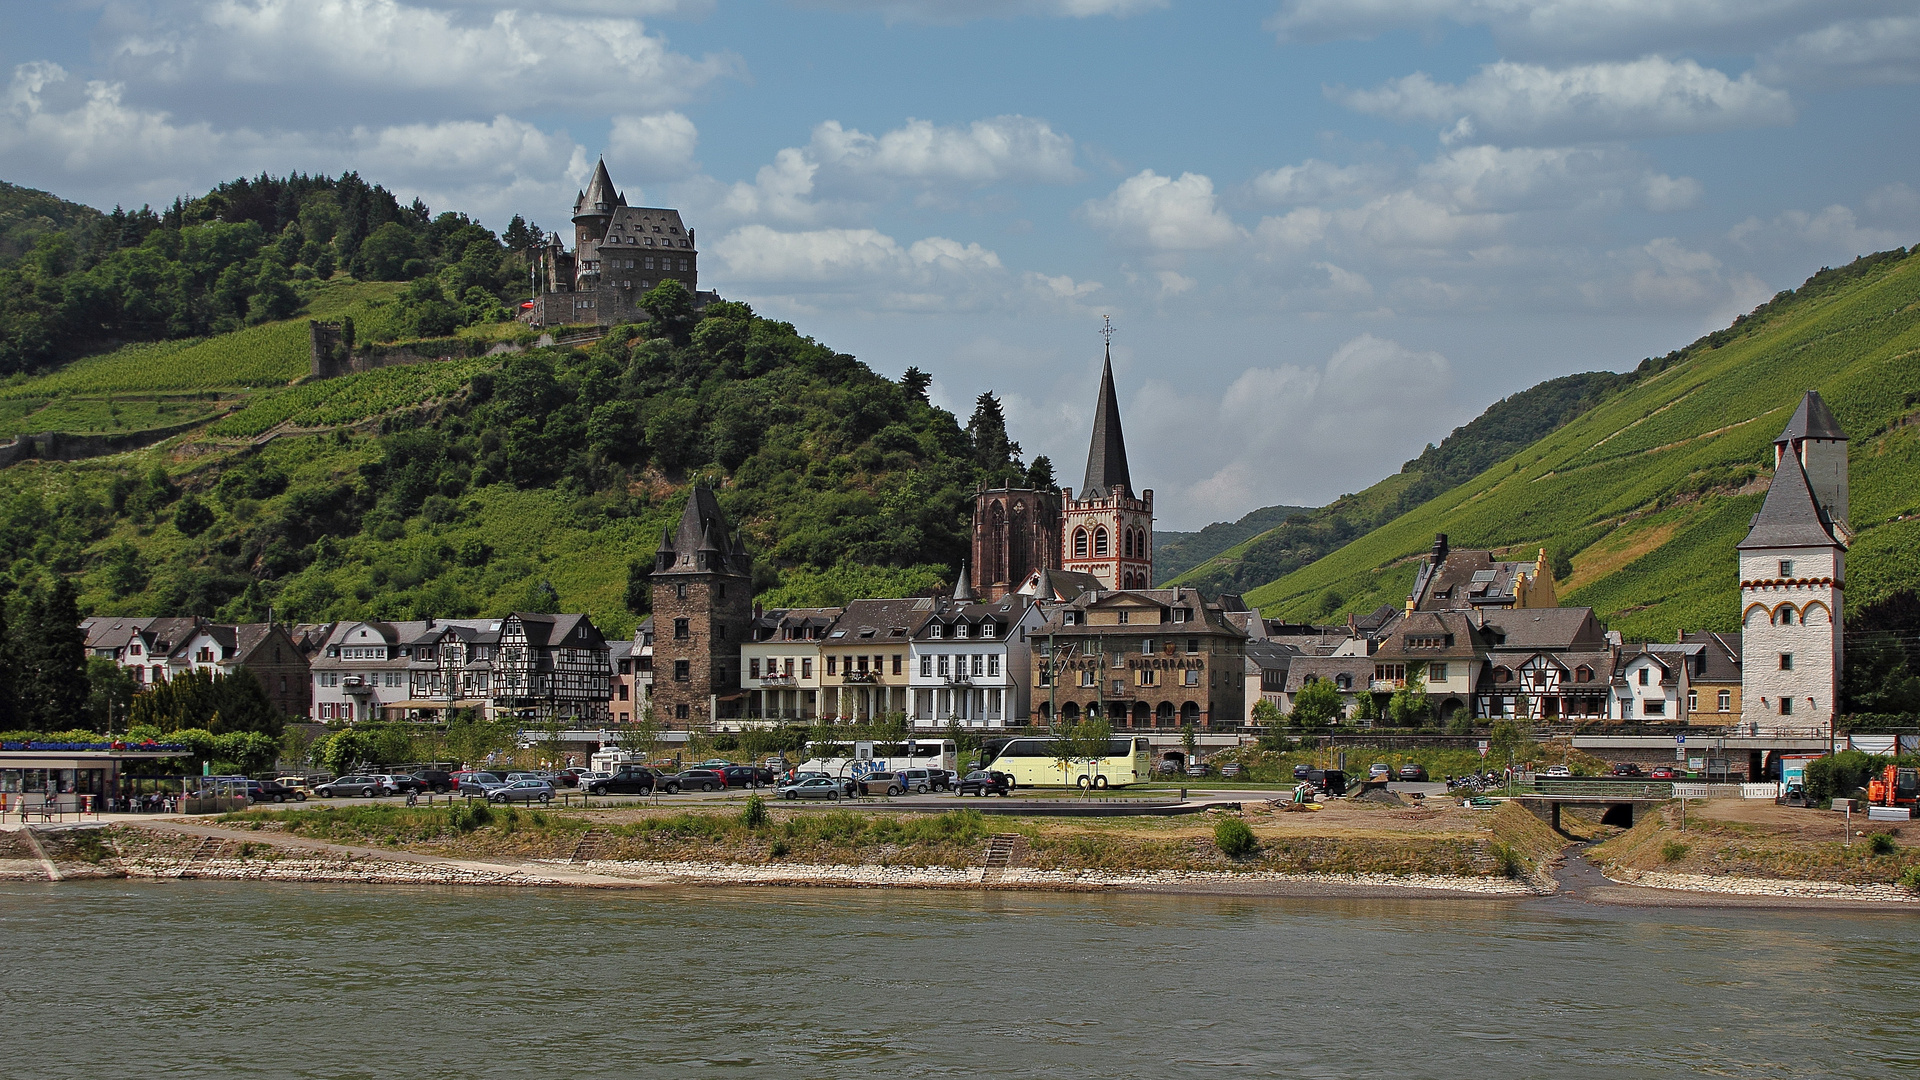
1812	420
963	585
1107	455
1790	517
600	199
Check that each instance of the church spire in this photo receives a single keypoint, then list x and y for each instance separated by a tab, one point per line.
1107	455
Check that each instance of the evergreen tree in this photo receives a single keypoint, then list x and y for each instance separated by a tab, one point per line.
518	237
639	591
1040	476
915	383
996	454
9	673
53	687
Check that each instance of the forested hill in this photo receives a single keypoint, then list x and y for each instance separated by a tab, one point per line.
482	484
1298	538
1174	553
1641	497
28	216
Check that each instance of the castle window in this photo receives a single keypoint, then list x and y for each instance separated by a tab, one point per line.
1786	661
1785	617
682	670
1079	543
1100	541
1786	706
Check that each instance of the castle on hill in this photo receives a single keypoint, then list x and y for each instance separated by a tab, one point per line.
619	252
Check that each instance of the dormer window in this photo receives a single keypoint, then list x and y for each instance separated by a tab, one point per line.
960	630
1180	614
986	629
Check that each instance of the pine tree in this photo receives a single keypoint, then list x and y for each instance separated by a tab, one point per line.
987	431
915	383
53	689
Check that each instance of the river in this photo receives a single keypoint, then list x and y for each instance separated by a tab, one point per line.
216	979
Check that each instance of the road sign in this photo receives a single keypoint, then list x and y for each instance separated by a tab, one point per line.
1680	739
1483	746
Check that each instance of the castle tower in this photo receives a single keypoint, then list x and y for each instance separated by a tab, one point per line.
592	212
1792	573
702	612
1106	530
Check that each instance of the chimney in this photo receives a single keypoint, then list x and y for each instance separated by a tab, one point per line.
1439	548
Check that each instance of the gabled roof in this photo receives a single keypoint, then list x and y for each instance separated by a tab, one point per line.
1721	656
1107	454
873	621
1062	584
1357	669
1812	420
1545	628
1790	517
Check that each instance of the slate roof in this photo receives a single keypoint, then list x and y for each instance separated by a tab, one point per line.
1066	585
1561	628
1357	669
1721	663
600	197
1789	518
880	620
1812	420
1107	454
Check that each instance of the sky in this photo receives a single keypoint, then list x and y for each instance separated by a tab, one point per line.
1326	231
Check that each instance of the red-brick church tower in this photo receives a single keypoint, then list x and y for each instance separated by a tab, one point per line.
1106	532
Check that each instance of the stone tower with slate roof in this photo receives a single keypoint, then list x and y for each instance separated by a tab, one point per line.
1107	528
702	612
1792	575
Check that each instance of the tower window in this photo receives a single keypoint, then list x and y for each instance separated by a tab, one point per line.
1079	543
1786	706
1786	567
682	671
1100	546
1785	618
681	631
1786	661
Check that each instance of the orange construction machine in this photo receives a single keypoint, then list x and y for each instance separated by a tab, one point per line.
1894	787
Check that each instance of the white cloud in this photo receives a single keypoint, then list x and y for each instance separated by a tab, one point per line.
512	59
1506	101
1593	27
1003	148
659	146
1554	178
1164	213
1291	432
1835	234
1852	51
959	11
1314	181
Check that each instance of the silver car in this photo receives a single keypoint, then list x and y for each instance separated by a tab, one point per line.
523	791
813	787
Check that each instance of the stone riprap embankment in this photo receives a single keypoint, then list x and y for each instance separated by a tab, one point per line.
1728	885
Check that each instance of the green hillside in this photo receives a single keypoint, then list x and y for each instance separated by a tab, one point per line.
1648	491
1174	553
28	216
1507	426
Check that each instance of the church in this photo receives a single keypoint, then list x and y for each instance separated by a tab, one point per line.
1039	543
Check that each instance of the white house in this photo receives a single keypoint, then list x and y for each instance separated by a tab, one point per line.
971	662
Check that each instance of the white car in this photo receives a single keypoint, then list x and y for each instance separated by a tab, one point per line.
1559	770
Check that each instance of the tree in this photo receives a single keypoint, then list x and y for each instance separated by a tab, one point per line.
993	452
1090	739
1268	715
1316	705
644	736
53	686
471	738
1040	476
192	517
639	587
220	703
671	307
915	383
966	742
1508	741
1560	565
110	690
1408	707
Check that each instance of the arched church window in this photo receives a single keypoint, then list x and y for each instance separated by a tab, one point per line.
1100	546
1079	543
1126	542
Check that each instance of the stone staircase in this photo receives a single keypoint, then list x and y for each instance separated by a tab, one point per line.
1004	852
207	848
588	848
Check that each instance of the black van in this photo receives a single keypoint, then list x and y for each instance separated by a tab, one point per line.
1331	781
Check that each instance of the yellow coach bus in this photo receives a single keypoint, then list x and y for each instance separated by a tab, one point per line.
1032	763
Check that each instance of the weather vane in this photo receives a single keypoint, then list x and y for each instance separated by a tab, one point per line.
1106	328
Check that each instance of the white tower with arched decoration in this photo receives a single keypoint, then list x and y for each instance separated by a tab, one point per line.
1792	575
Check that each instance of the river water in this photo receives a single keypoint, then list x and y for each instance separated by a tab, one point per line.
216	979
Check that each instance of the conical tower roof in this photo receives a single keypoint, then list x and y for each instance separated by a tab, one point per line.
1107	455
1812	420
963	585
698	521
1790	517
600	199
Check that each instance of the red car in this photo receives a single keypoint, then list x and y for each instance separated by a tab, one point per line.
1666	772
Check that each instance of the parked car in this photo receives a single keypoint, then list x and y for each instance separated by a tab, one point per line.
571	777
1627	768
923	780
740	776
529	790
1301	770
297	785
690	780
1331	781
274	791
516	777
478	783
1665	772
625	780
881	783
1379	770
1413	773
1199	768
1231	769
438	781
1169	766
813	787
400	783
351	787
1558	771
461	778
984	783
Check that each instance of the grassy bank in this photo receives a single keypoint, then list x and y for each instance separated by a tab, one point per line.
1738	839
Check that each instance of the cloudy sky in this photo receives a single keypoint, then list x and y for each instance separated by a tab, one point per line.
1327	231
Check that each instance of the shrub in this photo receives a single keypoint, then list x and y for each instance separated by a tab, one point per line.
1507	861
1910	878
1234	839
1673	851
1882	844
755	815
778	850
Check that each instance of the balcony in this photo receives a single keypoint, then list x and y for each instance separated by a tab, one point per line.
859	677
960	679
777	680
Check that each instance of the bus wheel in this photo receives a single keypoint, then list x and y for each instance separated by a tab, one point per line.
1100	781
1085	783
